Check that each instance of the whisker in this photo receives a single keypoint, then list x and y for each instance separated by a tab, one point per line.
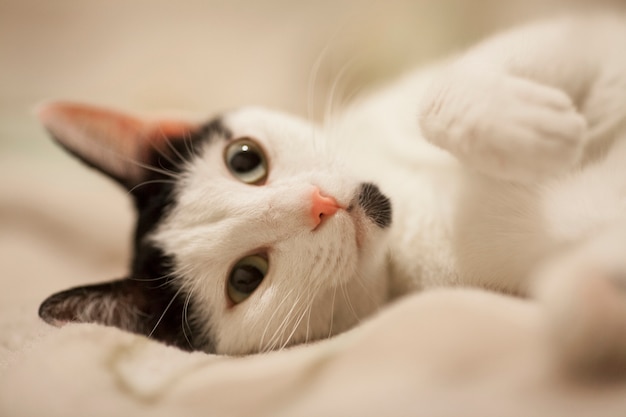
148	279
164	312
305	308
308	322
185	317
313	81
164	154
163	277
269	321
288	318
309	309
330	102
170	145
295	327
311	302
156	170
141	184
367	291
314	288
348	302
280	330
188	142
332	313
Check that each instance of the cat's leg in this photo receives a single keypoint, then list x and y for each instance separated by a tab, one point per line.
518	106
584	295
502	125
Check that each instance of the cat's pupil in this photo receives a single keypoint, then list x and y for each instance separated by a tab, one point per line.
246	278
245	161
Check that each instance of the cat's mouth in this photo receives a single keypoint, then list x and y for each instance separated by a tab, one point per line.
375	205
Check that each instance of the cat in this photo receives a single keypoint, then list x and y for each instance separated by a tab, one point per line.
258	230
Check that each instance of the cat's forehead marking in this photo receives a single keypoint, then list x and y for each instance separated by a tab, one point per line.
214	128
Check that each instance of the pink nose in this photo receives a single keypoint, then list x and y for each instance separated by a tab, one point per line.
322	207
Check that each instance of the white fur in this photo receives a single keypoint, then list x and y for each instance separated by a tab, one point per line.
519	162
311	290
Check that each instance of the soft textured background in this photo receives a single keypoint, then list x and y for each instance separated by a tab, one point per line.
63	225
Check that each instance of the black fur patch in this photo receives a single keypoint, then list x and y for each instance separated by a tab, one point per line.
146	302
153	200
375	204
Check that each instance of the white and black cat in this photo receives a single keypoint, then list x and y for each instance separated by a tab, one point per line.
257	230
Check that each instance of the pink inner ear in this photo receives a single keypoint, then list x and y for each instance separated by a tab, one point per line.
117	143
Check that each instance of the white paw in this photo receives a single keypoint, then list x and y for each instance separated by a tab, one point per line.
504	126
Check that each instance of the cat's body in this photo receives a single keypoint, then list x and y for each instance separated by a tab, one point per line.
533	169
468	224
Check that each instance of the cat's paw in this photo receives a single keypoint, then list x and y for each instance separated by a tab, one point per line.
504	126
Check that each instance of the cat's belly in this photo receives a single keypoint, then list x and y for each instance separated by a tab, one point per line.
499	233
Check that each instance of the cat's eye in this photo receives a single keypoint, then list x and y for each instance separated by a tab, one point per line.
246	276
246	161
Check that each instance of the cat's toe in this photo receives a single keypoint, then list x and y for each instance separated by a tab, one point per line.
547	140
539	132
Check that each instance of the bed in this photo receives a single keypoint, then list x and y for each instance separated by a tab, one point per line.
444	352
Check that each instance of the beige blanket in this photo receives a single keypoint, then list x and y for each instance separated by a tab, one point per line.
440	353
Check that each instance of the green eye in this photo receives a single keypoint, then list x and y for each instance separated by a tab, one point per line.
246	161
246	276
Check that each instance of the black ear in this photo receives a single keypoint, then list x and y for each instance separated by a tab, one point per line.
143	307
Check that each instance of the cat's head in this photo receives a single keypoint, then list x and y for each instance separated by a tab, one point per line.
251	234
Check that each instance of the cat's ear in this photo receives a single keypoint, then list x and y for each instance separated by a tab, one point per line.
122	146
129	304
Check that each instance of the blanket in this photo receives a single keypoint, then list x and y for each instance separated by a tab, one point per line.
439	353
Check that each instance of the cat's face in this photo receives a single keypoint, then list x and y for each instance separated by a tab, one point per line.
318	257
264	237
